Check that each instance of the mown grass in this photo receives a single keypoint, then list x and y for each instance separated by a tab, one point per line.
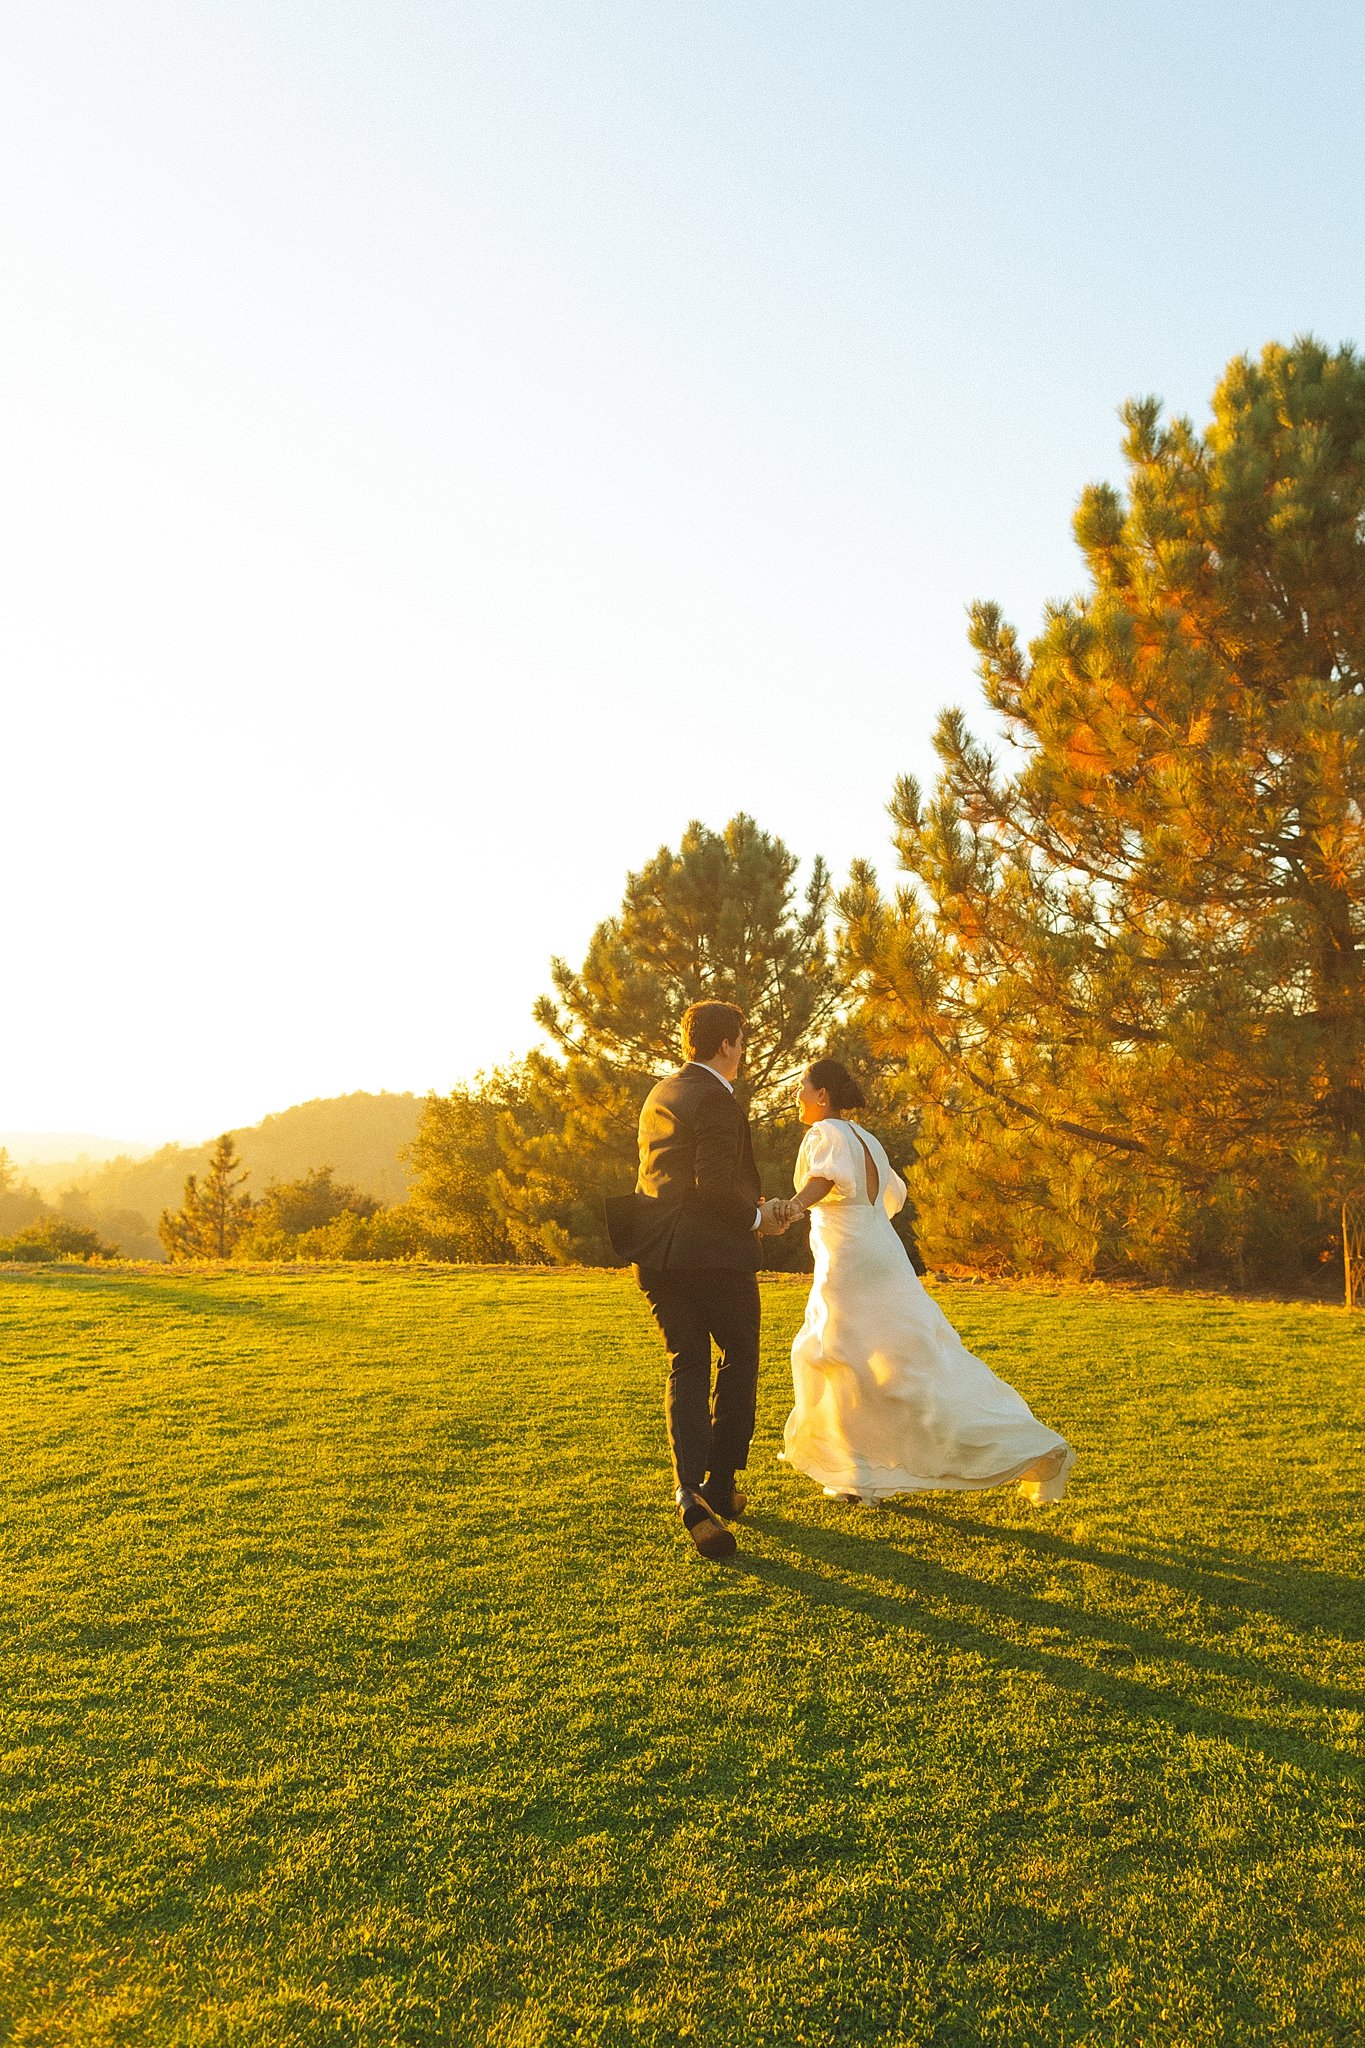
358	1687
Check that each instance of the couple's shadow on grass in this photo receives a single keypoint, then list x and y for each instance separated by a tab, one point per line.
1229	1584
1086	1650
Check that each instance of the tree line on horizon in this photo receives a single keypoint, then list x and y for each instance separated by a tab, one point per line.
1110	1018
117	1202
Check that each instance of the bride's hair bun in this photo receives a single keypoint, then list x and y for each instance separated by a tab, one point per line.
833	1076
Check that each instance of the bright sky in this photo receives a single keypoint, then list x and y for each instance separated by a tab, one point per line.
448	444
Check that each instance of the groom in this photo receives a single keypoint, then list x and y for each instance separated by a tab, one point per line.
691	1229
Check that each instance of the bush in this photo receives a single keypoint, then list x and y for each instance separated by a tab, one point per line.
387	1234
362	1235
54	1238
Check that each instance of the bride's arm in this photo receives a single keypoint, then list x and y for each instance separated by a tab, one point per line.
805	1198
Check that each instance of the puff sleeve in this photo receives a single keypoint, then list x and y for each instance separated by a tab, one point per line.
825	1152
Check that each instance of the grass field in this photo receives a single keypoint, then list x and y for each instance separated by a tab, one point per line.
358	1686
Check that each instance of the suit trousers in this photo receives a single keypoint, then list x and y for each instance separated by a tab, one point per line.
706	1432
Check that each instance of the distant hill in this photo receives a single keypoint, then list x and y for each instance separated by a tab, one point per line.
359	1136
37	1154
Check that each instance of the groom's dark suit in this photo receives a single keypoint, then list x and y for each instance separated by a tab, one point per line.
690	1229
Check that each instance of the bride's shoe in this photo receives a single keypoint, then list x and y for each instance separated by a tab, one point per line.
849	1500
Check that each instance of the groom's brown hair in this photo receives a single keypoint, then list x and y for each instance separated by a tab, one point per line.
707	1026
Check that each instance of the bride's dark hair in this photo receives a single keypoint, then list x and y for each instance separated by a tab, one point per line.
833	1076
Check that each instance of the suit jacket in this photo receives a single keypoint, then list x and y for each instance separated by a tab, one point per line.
695	1200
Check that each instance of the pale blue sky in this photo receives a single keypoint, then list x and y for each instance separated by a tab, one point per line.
447	447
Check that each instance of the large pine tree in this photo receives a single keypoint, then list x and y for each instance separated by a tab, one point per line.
716	917
1126	969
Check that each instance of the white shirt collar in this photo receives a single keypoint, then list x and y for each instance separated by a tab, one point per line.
706	1064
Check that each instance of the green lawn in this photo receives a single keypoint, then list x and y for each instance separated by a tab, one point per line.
358	1685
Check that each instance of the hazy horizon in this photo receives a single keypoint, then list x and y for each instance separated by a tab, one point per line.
62	1148
450	451
45	1148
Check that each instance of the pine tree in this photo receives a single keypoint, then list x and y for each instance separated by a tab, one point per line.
212	1217
1127	972
716	918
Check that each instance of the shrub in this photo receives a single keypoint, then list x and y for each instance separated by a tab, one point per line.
54	1238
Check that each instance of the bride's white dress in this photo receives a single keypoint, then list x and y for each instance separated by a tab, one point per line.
888	1397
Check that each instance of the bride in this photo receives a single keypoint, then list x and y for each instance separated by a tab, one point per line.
888	1398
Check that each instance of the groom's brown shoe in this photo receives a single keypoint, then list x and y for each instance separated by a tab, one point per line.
724	1498
711	1537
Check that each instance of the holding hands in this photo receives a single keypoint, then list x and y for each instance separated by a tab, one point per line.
778	1214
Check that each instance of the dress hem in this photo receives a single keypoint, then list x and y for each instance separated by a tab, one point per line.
1041	1488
